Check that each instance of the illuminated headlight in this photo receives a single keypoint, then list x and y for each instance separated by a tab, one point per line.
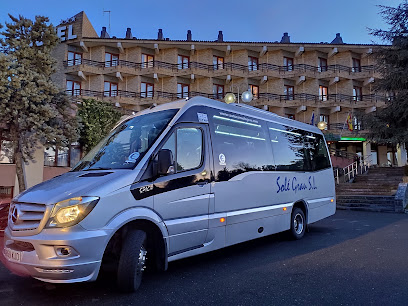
71	211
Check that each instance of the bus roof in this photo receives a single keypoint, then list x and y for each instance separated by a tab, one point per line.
242	109
247	110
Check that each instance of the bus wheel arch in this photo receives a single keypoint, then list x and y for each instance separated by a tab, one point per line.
155	245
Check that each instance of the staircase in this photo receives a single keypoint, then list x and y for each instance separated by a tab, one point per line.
373	191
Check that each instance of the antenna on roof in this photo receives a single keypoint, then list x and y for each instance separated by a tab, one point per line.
109	12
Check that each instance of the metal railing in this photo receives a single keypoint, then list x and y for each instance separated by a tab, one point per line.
349	172
323	98
303	97
227	65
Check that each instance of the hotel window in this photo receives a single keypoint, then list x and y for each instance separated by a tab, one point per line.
74	58
6	148
322	65
146	90
111	59
288	63
218	91
324	118
357	93
147	61
323	93
183	62
62	157
252	63
218	62
73	88
110	89
356	65
183	90
254	90
289	92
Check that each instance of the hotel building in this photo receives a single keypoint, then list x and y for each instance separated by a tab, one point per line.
308	82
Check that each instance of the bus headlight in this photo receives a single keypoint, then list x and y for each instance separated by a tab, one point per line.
71	211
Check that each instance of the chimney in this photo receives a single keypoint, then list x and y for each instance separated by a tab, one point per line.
285	38
160	35
189	36
220	37
104	34
128	33
338	40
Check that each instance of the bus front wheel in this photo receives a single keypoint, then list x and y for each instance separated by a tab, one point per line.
132	261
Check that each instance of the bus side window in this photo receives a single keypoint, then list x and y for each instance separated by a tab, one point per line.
240	145
287	147
316	151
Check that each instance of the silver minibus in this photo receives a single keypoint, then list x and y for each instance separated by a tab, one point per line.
172	181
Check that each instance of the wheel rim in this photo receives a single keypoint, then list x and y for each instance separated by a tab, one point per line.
141	260
298	223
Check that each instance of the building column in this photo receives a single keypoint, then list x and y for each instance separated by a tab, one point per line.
382	156
401	155
367	152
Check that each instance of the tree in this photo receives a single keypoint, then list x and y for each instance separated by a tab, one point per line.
97	119
31	106
390	125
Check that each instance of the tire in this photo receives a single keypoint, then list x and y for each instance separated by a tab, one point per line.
297	224
132	261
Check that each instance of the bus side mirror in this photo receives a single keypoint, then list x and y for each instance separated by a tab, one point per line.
165	162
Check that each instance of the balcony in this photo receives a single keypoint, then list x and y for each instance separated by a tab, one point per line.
319	100
234	69
138	99
272	99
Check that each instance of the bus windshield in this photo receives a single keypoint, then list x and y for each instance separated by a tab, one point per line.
126	144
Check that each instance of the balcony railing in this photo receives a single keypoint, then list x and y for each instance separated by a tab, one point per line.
303	97
323	98
343	126
227	66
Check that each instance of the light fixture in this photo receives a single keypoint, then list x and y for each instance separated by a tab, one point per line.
229	98
353	139
322	125
247	96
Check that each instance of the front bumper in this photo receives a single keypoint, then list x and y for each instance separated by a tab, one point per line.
43	260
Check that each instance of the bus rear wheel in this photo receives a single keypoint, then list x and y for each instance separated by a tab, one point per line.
132	261
297	224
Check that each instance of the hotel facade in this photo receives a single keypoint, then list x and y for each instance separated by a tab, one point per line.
309	82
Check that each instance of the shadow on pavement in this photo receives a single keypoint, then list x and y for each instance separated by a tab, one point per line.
252	255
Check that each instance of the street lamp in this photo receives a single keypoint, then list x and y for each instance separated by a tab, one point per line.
229	98
245	97
322	125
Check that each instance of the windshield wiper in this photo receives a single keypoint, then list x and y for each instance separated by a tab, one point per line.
97	168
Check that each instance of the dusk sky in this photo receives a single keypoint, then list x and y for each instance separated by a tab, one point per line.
252	20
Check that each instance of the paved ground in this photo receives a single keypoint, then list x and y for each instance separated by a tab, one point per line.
350	258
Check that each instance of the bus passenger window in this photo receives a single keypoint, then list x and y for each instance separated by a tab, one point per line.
240	145
288	148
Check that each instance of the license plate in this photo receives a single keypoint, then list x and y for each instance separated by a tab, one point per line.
12	255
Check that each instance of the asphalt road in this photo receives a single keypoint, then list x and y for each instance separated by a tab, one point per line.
350	258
